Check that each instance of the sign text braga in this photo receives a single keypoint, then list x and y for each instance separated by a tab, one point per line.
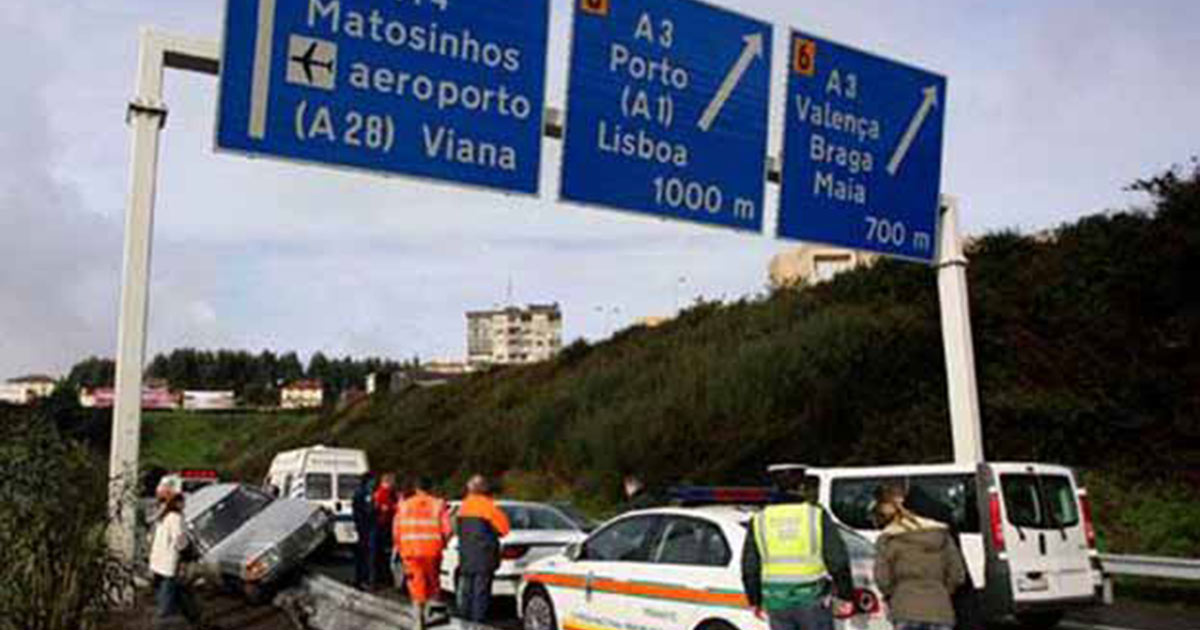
862	151
667	111
445	89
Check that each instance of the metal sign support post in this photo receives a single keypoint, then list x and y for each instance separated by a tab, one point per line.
954	304
146	116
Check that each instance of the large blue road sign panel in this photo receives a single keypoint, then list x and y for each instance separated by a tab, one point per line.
446	89
862	151
667	111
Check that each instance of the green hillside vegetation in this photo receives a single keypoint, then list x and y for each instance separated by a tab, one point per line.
1087	349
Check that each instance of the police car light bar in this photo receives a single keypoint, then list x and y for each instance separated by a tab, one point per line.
725	495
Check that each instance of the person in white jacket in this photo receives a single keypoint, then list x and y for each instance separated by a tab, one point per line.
171	594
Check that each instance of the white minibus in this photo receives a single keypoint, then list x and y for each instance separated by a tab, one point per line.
324	476
1025	528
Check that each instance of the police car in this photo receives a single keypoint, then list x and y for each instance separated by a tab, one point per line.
669	568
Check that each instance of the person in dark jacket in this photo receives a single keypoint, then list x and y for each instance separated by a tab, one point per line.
808	606
364	526
637	495
968	610
479	526
917	566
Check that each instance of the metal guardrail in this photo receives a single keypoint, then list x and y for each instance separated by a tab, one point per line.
1150	566
322	603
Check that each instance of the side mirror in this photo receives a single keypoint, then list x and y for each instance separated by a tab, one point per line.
574	552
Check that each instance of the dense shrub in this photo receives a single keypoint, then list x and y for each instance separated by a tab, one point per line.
56	572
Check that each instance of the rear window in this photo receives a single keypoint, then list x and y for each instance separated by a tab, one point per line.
318	486
527	517
950	499
1039	501
347	486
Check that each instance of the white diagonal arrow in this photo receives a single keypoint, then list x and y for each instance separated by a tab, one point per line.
752	51
931	99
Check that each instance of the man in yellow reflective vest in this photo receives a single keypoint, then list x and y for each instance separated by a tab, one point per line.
794	564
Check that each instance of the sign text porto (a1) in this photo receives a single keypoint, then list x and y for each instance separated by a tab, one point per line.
667	111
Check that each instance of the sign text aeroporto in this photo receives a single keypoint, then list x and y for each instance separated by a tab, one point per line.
444	89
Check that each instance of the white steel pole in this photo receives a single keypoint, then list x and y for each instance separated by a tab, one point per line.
146	116
953	299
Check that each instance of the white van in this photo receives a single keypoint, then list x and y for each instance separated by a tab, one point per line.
324	476
1026	529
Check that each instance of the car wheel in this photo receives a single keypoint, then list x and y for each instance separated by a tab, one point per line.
716	624
1040	620
539	611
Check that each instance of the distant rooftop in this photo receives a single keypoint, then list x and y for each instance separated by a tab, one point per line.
531	308
32	378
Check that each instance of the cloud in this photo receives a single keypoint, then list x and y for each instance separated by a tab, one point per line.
56	261
1051	110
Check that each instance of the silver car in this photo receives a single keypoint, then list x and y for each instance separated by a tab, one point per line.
248	538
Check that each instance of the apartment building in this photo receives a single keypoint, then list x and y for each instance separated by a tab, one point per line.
514	335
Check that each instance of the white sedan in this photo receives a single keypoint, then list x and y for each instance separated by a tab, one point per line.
539	530
667	568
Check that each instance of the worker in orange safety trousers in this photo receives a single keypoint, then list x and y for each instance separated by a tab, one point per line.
420	532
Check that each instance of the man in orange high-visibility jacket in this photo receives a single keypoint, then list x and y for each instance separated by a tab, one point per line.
421	529
480	524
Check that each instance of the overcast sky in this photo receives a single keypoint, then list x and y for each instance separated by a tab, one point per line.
1053	108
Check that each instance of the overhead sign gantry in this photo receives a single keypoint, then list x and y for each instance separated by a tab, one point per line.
445	89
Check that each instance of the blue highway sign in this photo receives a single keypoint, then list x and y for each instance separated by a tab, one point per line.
667	111
862	151
445	89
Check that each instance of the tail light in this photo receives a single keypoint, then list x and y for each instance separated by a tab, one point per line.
866	601
512	552
862	601
1089	530
997	521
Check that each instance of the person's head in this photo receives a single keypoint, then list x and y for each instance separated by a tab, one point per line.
790	479
388	480
477	484
171	502
420	483
632	485
889	505
366	478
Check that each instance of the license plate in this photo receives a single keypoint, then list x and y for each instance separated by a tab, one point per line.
344	532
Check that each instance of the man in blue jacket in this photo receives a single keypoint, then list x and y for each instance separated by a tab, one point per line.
364	524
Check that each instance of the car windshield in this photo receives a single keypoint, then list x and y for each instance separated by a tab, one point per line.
533	517
347	485
576	516
318	486
224	518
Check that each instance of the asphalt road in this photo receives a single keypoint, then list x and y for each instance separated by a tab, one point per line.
1123	615
230	612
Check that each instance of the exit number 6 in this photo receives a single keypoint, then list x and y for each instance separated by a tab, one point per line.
804	57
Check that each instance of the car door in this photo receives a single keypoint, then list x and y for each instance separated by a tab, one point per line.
692	577
606	557
1044	535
